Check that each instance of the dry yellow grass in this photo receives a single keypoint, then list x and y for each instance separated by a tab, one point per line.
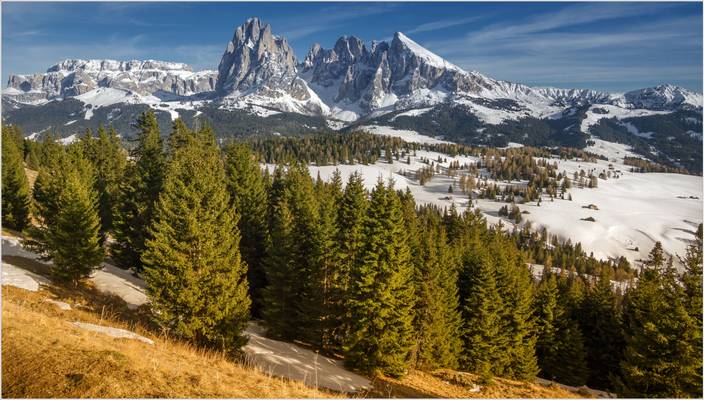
454	384
45	356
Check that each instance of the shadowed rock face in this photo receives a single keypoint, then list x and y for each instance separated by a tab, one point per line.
372	75
255	58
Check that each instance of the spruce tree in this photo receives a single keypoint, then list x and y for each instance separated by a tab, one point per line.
196	280
15	188
69	225
279	295
31	157
381	295
560	345
515	286
437	314
351	212
326	248
180	136
247	188
306	259
661	358
109	161
484	337
571	368
692	277
600	322
549	313
138	193
692	283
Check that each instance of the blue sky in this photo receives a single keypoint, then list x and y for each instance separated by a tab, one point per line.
605	46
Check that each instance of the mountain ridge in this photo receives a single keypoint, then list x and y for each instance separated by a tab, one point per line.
260	87
348	81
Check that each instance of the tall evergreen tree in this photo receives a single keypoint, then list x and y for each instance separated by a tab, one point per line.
515	286
548	312
326	263
381	296
138	194
351	211
437	314
109	161
306	258
196	279
279	295
660	357
484	338
15	188
180	136
560	346
692	283
600	322
247	188
68	233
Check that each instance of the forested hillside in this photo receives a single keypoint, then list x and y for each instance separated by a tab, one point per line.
369	275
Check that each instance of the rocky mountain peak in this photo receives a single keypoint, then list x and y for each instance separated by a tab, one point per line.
254	57
350	48
663	97
402	44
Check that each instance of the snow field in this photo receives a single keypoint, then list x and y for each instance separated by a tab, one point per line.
635	210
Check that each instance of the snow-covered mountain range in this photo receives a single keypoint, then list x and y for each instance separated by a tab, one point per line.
350	84
347	82
71	78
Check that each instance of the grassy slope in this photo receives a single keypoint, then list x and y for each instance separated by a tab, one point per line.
45	356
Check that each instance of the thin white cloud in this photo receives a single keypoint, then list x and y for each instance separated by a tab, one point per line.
28	33
561	47
570	16
443	24
328	18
